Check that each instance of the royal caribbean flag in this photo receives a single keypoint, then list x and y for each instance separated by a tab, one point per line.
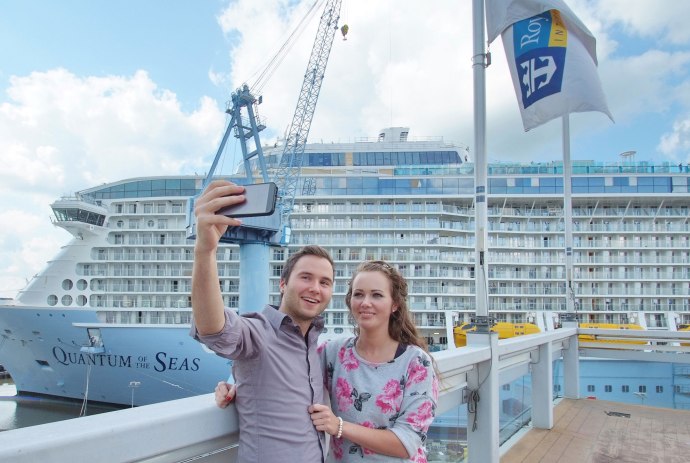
552	59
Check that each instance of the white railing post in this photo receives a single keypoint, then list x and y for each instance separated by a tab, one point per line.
483	408
571	365
542	388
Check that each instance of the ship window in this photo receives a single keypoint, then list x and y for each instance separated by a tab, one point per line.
81	284
506	387
642	388
52	300
659	389
67	284
81	300
608	388
66	299
120	224
591	388
625	388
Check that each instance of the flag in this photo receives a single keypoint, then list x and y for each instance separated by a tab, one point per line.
551	56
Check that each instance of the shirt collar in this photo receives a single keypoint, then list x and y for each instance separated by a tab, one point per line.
277	318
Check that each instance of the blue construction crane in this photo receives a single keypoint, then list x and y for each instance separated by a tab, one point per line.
257	234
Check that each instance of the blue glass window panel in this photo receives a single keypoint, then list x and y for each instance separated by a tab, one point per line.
666	181
580	189
645	188
354	182
370	182
497	190
131	186
498	182
450	183
559	182
546	181
579	182
596	189
466	185
596	182
530	190
628	189
515	190
645	181
158	185
621	181
662	189
172	184
547	189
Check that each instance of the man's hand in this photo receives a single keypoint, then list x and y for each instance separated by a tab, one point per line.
209	226
225	394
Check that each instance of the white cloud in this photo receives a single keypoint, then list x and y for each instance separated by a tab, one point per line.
60	133
404	63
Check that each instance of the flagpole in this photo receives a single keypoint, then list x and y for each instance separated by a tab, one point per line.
480	167
568	218
483	382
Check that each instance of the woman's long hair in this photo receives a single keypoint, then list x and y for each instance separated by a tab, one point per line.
401	328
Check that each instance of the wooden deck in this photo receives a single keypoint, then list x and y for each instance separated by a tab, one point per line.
598	431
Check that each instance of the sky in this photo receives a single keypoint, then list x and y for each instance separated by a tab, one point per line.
94	92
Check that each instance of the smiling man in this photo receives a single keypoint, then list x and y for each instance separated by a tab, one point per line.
276	368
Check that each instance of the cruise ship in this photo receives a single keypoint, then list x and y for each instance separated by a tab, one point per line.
107	320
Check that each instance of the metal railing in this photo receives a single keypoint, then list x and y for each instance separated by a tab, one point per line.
194	429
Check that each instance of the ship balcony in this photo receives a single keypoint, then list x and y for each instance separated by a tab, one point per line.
194	429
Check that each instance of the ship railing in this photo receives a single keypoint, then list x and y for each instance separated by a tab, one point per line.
194	429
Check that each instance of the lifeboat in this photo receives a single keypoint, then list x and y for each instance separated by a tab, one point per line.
609	326
505	330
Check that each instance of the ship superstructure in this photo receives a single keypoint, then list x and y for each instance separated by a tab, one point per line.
109	315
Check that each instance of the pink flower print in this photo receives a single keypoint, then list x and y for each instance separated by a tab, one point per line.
392	396
420	457
370	425
337	447
320	348
416	372
423	417
348	359
343	393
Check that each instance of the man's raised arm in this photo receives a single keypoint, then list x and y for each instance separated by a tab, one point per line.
207	300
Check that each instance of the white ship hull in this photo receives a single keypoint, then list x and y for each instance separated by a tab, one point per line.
140	364
108	318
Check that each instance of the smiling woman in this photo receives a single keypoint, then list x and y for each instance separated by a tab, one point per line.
382	383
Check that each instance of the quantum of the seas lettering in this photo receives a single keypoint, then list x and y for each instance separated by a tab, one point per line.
175	363
79	358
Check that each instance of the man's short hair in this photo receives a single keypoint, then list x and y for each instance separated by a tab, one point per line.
310	250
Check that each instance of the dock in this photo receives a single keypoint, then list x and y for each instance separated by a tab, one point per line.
598	431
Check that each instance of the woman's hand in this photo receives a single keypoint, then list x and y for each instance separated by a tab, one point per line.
225	394
323	419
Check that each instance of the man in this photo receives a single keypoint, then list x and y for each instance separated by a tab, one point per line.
276	368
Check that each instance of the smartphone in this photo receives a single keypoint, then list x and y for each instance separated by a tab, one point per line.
260	200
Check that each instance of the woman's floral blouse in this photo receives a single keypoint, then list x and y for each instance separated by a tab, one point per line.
399	395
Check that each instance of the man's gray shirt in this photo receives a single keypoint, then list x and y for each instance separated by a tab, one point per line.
278	376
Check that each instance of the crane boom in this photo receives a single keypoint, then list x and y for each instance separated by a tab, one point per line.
289	169
257	233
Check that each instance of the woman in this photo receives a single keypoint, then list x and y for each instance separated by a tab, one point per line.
382	382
